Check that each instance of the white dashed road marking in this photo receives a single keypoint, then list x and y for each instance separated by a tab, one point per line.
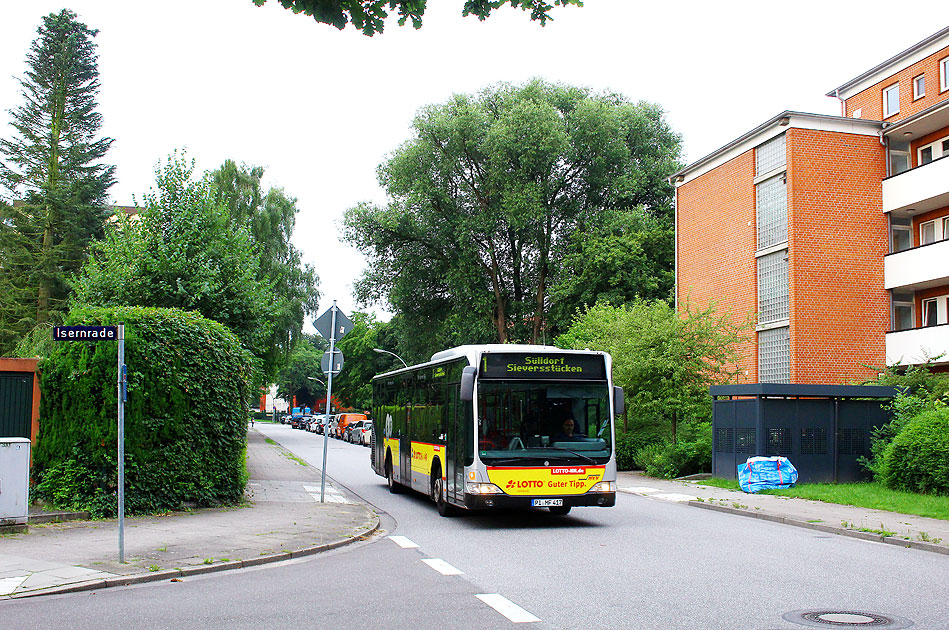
331	495
403	542
442	567
506	607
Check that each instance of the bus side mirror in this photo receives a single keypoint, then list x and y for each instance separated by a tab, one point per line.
467	384
619	401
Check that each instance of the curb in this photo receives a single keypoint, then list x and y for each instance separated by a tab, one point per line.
170	574
829	529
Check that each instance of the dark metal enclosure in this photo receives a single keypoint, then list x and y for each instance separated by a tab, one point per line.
822	429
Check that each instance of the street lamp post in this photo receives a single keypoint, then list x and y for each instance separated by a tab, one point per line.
381	351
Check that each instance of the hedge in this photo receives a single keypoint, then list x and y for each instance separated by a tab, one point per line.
185	419
917	460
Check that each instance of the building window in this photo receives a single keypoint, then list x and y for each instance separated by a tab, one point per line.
773	288
891	100
919	87
774	355
899	157
771	212
944	74
902	239
927	233
771	155
930	312
903	311
933	151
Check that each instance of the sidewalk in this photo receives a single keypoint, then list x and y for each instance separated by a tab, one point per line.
846	520
282	519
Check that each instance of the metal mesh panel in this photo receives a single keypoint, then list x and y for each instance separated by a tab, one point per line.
814	441
851	442
774	355
779	442
772	212
724	440
773	287
745	441
770	155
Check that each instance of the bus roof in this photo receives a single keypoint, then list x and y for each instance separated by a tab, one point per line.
474	352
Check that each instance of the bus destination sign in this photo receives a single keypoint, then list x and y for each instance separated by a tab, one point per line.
542	366
85	333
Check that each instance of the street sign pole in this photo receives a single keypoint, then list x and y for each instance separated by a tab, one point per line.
122	385
329	397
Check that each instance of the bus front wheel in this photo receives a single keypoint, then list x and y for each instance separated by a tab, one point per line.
438	494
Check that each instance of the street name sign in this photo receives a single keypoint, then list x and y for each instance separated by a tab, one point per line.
85	333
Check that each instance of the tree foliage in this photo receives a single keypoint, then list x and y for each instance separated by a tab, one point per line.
489	197
664	361
182	251
270	219
353	386
369	15
50	168
304	362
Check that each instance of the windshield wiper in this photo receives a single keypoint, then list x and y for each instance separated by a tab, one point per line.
560	448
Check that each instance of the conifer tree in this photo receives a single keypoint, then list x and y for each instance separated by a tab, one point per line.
51	175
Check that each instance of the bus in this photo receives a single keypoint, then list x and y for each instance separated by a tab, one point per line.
488	426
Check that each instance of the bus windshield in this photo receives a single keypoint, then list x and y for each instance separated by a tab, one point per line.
528	420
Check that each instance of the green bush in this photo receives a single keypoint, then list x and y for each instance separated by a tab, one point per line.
917	459
686	457
628	445
185	419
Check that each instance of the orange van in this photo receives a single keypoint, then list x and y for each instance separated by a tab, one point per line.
345	419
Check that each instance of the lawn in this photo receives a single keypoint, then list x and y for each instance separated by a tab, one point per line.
867	495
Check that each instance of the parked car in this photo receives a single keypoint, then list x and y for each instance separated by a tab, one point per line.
351	429
345	419
363	434
299	422
330	426
314	424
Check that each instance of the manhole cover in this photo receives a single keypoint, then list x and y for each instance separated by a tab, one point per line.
845	619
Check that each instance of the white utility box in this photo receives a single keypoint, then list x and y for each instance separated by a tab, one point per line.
14	480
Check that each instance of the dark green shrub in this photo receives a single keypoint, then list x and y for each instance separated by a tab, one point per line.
686	457
917	459
185	420
628	445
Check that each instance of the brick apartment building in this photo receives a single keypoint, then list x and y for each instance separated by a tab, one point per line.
830	232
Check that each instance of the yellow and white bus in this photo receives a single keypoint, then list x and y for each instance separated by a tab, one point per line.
488	426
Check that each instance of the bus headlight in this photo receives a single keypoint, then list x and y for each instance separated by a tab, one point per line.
604	486
483	488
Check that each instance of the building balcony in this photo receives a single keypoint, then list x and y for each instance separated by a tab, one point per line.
918	345
918	268
917	190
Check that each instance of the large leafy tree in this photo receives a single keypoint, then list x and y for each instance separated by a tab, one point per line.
51	171
486	195
664	360
270	218
353	386
369	15
294	381
183	251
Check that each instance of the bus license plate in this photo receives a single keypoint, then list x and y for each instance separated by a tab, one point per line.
546	502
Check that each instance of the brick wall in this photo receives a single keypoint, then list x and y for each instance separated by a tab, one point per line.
870	100
715	240
838	236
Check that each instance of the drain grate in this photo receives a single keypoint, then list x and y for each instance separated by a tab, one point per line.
845	619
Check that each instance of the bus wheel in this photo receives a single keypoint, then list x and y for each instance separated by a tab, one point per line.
560	510
438	494
394	487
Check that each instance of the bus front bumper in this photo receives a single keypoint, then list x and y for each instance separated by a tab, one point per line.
493	501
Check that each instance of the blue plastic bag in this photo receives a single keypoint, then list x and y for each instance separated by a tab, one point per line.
764	473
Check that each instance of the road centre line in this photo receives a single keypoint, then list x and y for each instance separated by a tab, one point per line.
442	567
506	607
403	542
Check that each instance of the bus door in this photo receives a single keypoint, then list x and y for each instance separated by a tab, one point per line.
405	451
454	455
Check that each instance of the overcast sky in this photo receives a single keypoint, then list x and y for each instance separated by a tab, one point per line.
320	108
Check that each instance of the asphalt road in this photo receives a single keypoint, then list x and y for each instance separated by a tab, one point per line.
645	563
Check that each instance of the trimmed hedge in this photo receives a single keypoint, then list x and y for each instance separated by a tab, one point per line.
185	419
917	460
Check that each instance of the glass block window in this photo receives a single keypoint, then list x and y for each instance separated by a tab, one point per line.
770	155
772	211
745	441
774	356
814	441
779	442
773	288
